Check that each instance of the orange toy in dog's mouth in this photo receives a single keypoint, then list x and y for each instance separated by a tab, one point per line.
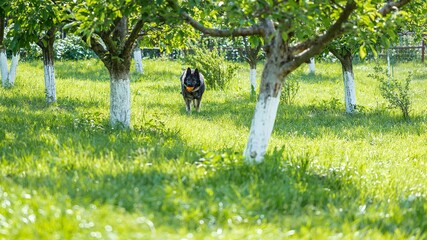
189	88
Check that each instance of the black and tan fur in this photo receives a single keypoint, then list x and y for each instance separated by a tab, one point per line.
192	88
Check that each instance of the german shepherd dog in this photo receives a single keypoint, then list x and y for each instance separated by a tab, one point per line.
192	88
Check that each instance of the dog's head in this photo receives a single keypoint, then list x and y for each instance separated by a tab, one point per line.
191	79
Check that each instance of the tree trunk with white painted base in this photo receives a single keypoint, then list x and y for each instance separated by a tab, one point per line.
312	66
252	79
3	57
266	108
251	55
120	98
349	91
46	44
117	57
137	56
349	83
8	77
13	68
346	58
4	68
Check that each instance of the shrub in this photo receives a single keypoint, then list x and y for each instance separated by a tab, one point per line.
69	48
396	92
217	71
72	48
31	53
290	90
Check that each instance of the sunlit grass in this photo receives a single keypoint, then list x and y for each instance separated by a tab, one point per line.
66	174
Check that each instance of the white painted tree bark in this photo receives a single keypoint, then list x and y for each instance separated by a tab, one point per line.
4	68
13	68
349	91
252	79
265	113
312	66
346	58
8	77
120	100
46	44
49	82
137	55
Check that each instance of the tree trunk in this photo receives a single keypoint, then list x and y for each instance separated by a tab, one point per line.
8	77
46	44
13	67
138	60
312	66
120	97
265	112
3	56
346	58
49	73
252	79
3	67
349	84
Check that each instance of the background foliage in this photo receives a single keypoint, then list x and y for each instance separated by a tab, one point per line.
396	91
217	71
68	48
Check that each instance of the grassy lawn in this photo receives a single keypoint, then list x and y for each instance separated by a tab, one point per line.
65	174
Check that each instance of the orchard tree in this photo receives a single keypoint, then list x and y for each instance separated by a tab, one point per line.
8	77
374	30
112	29
37	21
292	36
250	51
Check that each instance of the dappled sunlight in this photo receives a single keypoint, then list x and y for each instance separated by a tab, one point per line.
64	165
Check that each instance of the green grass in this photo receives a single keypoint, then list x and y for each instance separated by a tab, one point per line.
65	174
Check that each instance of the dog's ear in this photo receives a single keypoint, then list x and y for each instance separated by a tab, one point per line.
188	72
196	72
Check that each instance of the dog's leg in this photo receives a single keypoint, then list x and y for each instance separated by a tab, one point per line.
188	105
197	103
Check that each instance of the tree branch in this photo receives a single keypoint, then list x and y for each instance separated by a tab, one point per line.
48	38
106	38
335	52
120	31
97	47
315	46
134	35
391	6
243	31
387	8
2	23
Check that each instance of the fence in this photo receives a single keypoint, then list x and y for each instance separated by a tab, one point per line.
409	48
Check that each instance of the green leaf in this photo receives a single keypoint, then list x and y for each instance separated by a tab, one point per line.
362	51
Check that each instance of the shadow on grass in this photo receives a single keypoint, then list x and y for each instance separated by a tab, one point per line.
33	103
314	120
151	170
278	192
230	189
